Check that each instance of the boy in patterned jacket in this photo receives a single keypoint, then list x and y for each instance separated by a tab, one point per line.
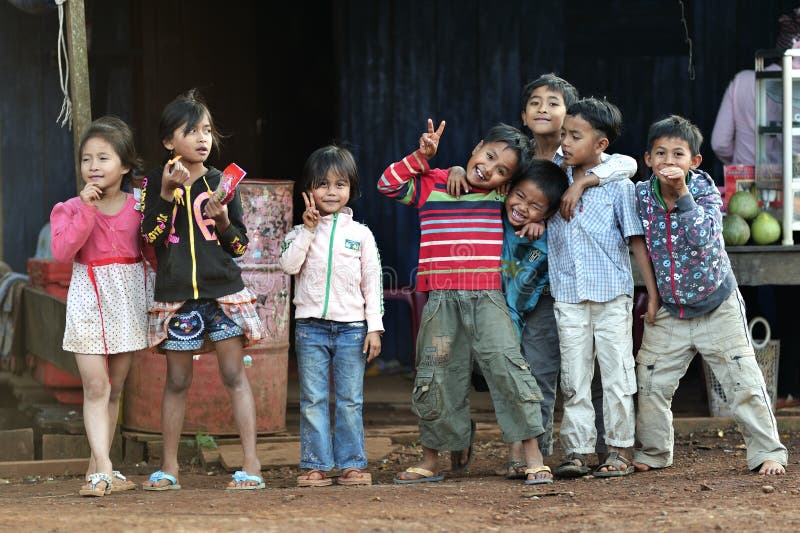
701	308
466	318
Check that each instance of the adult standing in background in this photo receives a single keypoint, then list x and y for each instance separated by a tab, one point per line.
733	141
733	138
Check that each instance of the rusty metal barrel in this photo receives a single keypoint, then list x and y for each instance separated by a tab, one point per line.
267	206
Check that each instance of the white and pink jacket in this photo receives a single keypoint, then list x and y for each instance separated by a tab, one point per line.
338	271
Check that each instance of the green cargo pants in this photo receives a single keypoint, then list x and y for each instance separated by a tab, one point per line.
459	328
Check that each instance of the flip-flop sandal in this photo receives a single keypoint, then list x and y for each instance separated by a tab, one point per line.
537	480
574	466
354	476
427	476
314	478
121	483
456	466
512	470
623	466
240	476
157	476
94	480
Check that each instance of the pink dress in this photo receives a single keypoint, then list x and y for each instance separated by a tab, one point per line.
111	285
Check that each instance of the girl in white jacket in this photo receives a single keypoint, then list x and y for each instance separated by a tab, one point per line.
339	309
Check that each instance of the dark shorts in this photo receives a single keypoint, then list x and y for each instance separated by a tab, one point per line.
188	327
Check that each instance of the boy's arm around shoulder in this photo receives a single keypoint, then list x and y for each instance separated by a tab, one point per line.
294	249
699	212
71	223
372	282
615	167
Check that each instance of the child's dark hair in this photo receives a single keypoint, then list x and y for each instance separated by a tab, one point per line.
187	110
522	145
549	177
331	158
603	116
675	127
568	92
118	134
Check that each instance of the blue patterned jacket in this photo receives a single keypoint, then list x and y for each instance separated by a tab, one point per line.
685	244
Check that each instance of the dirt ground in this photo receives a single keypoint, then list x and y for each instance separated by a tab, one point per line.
709	488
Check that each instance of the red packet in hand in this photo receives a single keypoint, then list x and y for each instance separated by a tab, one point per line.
231	177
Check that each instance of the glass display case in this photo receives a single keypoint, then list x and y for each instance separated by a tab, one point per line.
778	136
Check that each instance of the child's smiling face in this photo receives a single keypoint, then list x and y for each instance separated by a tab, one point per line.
101	165
331	194
526	203
491	165
545	111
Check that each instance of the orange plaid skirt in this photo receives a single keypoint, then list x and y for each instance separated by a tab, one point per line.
239	307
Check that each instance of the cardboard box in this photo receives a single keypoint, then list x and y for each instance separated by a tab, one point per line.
738	178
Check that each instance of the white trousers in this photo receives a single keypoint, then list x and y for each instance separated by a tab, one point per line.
604	329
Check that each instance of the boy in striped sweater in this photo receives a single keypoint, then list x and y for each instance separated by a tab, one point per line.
466	318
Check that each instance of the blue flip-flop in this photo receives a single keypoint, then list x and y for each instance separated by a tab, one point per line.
240	476
157	476
427	476
537	480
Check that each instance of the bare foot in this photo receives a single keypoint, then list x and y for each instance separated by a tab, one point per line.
641	467
771	468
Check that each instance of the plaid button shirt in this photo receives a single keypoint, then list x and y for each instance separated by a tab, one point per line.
588	256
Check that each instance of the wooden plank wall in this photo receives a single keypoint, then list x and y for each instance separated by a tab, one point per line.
35	154
401	62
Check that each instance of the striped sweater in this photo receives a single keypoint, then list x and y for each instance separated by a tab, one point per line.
460	238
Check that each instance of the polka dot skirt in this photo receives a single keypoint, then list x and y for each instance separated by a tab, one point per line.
124	298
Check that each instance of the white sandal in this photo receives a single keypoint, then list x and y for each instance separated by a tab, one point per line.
94	480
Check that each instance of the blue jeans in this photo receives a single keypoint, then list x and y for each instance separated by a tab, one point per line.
317	344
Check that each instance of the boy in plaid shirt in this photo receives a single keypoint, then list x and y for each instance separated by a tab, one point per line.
592	283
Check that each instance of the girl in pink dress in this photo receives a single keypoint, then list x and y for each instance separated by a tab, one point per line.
107	301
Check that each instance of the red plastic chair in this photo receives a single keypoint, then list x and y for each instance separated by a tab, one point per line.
416	301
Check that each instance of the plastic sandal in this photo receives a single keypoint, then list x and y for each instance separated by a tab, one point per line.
157	476
537	480
121	482
623	466
94	480
240	476
314	478
355	476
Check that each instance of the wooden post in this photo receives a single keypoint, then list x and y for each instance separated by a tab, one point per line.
78	78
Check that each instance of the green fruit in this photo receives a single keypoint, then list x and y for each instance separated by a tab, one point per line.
765	229
735	230
744	204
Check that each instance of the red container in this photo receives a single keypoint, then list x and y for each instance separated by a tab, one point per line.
208	407
62	385
52	276
267	207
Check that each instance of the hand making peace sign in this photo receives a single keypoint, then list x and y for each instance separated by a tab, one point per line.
310	216
429	142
